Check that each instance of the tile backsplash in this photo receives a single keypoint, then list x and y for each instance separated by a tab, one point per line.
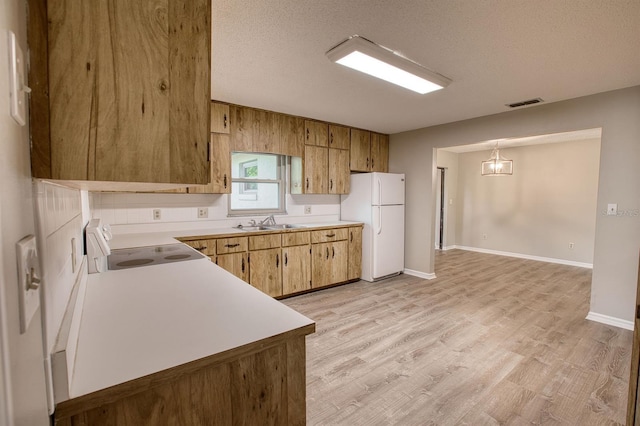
129	210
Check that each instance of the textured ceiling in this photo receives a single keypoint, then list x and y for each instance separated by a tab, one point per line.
271	54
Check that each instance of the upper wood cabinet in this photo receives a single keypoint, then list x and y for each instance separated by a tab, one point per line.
369	151
339	136
127	102
316	171
220	172
254	130
339	176
379	153
219	118
316	133
291	135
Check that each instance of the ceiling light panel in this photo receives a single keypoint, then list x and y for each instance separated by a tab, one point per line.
367	57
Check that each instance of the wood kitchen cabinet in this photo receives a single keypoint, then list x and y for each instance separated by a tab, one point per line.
236	263
296	266
120	103
369	151
355	253
316	170
220	171
339	176
329	257
265	271
291	135
254	130
220	118
339	136
316	133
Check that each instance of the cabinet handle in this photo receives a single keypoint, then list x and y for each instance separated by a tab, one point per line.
307	183
225	121
367	162
216	260
330	235
331	138
225	181
351	236
286	259
327	252
307	134
232	245
333	252
201	248
330	183
243	265
277	260
208	152
372	163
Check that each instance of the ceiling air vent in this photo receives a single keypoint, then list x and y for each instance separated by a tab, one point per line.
523	103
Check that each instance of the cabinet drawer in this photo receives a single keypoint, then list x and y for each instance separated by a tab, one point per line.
207	247
327	235
296	239
231	245
261	242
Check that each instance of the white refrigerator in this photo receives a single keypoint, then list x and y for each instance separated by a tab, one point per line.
377	200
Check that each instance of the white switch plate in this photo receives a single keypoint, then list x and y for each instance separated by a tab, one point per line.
612	209
28	280
18	90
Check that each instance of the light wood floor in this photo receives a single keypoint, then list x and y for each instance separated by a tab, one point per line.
492	340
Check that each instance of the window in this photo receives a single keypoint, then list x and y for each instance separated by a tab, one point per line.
257	183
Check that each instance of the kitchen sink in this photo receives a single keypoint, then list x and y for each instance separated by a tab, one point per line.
270	227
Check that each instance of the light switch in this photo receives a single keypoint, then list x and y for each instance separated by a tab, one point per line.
18	90
28	280
612	209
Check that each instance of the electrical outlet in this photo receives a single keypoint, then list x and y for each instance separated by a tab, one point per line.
612	209
157	215
203	212
484	236
307	209
570	246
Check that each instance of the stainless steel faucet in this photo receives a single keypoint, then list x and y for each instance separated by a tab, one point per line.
270	220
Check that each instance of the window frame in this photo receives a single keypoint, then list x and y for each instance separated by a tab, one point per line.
281	180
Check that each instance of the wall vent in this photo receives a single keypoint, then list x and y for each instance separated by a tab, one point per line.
523	103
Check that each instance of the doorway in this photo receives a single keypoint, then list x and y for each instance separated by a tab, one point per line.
440	209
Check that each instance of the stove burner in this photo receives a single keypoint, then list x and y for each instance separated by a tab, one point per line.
152	255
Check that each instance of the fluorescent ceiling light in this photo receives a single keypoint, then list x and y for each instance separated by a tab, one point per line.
378	61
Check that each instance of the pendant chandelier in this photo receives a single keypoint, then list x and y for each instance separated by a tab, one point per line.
497	165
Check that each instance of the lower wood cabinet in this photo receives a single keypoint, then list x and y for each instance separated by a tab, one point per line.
282	264
265	271
236	263
260	383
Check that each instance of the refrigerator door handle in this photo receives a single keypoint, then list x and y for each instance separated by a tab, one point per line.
379	192
379	230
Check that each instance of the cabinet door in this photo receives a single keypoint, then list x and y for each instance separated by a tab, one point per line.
339	177
339	136
320	265
266	132
360	150
291	135
379	153
265	271
355	253
316	133
220	167
339	262
152	77
242	119
316	173
296	269
236	263
219	118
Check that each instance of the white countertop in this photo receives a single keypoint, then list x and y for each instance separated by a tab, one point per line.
143	320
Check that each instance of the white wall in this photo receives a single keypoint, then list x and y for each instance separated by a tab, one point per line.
24	391
131	212
548	202
615	261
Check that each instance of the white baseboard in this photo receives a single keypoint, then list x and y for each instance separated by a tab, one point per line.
526	256
420	274
605	319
